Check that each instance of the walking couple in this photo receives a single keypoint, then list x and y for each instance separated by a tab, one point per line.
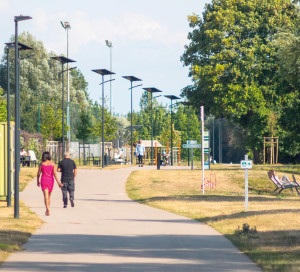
48	173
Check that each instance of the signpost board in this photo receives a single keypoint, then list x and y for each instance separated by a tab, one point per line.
191	144
246	164
206	150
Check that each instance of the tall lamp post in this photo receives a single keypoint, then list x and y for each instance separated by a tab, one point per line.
132	79
63	60
186	103
103	72
17	115
151	91
67	26
109	44
8	131
172	97
8	47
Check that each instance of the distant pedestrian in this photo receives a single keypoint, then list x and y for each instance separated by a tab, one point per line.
48	172
68	170
23	155
140	152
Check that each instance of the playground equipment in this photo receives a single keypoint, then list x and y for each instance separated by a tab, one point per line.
270	143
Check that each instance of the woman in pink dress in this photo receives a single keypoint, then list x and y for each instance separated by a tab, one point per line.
48	172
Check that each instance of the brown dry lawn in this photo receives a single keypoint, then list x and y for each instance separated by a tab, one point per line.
15	232
275	246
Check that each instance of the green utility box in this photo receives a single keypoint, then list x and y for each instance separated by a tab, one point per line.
3	158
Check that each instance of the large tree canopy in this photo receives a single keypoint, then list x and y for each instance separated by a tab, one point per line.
288	44
234	64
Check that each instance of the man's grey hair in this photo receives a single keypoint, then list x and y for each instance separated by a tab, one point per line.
67	154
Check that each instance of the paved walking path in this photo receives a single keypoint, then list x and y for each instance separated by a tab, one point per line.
106	231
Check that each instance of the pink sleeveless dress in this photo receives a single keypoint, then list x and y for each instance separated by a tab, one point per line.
47	179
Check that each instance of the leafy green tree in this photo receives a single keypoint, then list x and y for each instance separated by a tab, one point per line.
182	119
165	136
122	134
40	83
34	145
83	127
186	121
287	41
51	123
234	63
110	124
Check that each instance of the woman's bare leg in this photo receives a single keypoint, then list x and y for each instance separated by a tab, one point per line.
47	201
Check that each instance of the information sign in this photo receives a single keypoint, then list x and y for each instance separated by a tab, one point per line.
246	164
191	142
191	146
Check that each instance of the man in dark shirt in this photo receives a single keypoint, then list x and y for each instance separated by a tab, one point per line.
68	170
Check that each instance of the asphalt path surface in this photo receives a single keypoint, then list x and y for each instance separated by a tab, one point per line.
106	231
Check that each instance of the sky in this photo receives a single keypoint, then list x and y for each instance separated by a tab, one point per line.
148	39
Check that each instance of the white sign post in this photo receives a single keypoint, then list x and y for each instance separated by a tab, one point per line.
202	143
246	165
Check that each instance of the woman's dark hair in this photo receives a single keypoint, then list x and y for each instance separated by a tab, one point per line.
46	157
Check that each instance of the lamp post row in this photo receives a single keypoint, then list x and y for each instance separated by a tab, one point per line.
18	46
63	60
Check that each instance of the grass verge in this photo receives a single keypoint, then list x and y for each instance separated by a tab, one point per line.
15	232
275	246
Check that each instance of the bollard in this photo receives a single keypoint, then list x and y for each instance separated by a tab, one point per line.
158	161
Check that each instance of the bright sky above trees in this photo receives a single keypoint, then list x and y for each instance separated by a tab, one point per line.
148	39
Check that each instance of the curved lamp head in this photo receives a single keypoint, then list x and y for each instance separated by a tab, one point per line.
65	25
108	43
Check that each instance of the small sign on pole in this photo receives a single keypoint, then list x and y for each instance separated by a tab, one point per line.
246	164
206	151
191	145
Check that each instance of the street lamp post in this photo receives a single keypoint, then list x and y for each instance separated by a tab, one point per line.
151	91
8	47
103	72
17	115
67	26
131	79
186	103
109	44
172	97
8	133
63	60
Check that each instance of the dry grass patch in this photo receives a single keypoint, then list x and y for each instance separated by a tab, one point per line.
275	246
15	232
27	174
